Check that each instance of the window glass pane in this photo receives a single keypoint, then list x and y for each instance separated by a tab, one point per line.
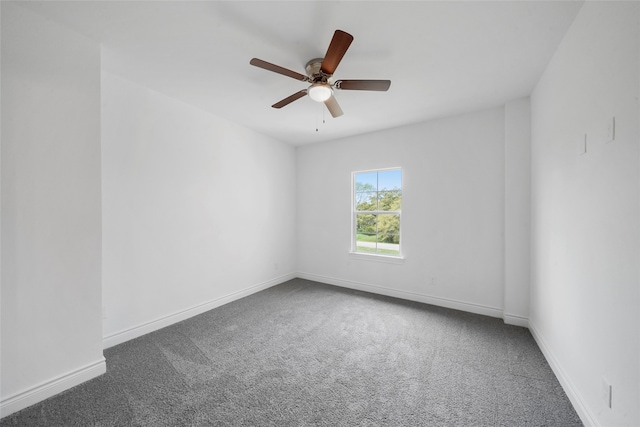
366	235
388	238
366	242
388	244
390	200
390	180
366	225
368	247
366	201
367	181
389	225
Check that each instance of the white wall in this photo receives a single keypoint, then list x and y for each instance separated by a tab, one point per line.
452	219
586	215
51	235
197	211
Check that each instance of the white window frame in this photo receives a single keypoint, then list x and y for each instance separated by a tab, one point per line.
394	259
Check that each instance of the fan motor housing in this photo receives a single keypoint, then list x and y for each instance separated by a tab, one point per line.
314	72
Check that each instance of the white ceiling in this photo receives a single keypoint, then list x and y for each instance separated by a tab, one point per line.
442	57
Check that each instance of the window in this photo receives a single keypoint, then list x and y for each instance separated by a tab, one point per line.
377	206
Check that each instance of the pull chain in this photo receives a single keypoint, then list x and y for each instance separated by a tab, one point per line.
317	115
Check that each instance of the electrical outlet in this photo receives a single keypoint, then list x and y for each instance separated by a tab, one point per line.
432	280
607	393
611	130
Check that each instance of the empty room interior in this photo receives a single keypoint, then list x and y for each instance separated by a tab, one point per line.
293	200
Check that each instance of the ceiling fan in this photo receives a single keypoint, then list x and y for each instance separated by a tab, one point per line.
320	75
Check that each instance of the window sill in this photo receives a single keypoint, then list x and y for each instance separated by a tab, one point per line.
377	258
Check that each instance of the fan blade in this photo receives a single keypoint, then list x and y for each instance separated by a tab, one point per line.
337	48
333	106
379	85
289	99
277	69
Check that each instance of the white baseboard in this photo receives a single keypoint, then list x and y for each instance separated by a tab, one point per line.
411	296
52	387
587	417
154	325
512	319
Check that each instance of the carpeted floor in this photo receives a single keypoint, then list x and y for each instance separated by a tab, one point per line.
304	353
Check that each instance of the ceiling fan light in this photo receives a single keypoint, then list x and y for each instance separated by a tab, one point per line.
319	92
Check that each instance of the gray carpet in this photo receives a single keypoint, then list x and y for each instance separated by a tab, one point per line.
304	353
